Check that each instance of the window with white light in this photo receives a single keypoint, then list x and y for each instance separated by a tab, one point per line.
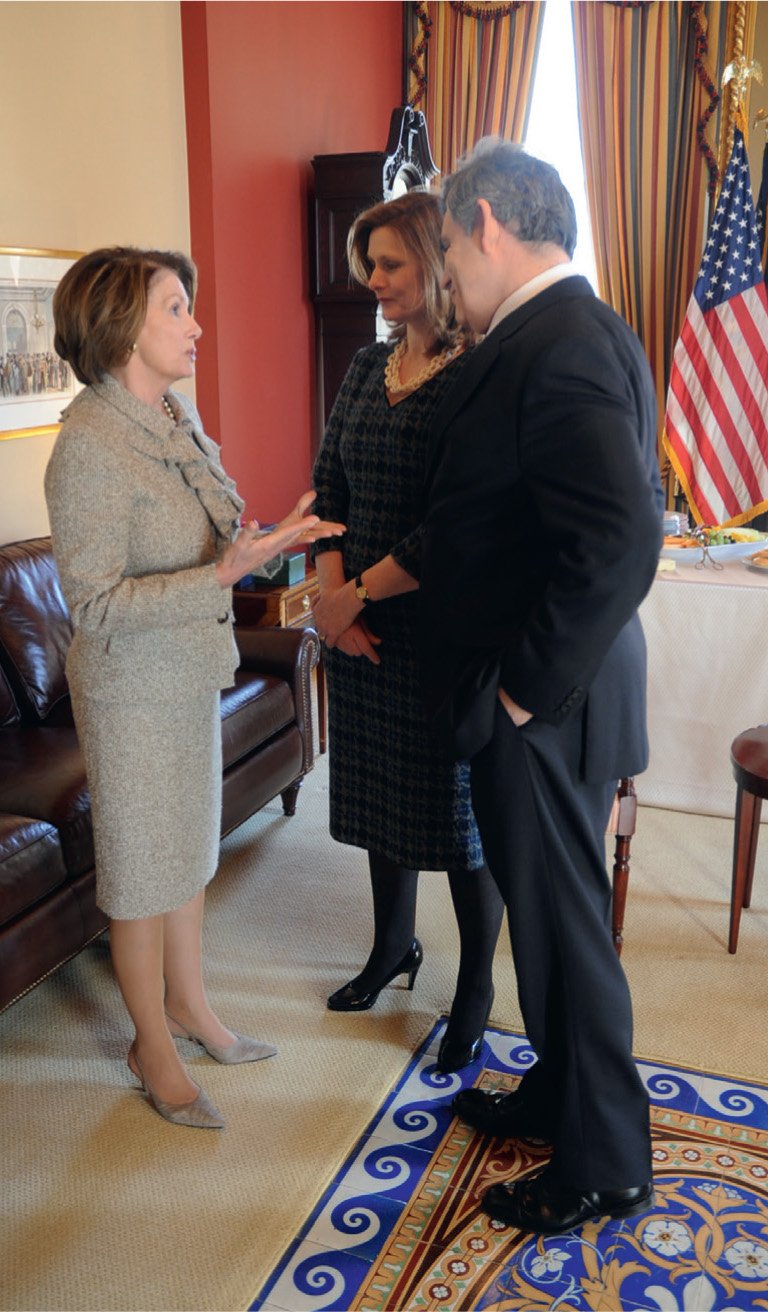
553	125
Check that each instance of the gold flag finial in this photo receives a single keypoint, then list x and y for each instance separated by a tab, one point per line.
739	71
740	41
742	70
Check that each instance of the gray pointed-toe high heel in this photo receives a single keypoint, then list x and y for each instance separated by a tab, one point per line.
243	1048
200	1113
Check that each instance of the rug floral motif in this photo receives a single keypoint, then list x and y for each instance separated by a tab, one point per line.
402	1228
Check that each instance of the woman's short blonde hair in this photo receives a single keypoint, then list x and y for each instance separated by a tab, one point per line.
101	303
417	219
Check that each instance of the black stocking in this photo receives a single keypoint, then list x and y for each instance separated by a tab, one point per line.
394	891
479	909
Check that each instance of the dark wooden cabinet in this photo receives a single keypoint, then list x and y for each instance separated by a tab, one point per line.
345	185
345	312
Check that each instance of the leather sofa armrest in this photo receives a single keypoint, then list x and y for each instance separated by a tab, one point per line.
289	654
282	652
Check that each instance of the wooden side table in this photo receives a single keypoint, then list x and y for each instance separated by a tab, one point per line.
285	606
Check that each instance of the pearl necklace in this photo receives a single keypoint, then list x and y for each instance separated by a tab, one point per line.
169	410
438	362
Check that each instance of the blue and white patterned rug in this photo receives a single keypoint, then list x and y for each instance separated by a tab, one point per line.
401	1227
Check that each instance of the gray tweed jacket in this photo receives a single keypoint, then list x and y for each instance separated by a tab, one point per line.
140	509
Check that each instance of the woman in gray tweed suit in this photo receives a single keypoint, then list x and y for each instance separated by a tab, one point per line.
145	529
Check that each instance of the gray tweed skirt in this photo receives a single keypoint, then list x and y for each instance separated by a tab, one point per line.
154	774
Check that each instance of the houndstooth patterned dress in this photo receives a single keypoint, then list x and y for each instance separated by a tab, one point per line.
393	790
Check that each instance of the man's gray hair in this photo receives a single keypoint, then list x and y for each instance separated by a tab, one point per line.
525	194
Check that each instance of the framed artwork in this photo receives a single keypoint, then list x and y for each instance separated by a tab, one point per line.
35	385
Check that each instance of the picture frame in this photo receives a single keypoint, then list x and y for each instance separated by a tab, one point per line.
35	385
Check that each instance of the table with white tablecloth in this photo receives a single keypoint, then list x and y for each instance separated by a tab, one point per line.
707	636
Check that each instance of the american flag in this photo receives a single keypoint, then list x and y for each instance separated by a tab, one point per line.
716	430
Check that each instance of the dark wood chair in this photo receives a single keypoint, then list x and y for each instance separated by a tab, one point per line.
622	823
749	758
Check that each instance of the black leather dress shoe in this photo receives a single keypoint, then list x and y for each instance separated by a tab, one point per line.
502	1114
351	998
453	1056
542	1206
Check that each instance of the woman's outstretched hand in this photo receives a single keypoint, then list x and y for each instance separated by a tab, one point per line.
252	549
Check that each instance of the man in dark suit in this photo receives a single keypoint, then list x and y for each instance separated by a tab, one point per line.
542	535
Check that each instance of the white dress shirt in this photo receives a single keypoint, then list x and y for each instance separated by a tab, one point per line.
530	289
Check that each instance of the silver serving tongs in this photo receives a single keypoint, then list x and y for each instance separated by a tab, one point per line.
700	534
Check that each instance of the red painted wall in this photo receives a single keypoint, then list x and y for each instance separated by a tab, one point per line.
267	87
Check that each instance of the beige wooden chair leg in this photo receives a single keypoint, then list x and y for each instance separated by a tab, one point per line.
745	836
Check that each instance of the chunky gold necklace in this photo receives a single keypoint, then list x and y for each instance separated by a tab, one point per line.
392	372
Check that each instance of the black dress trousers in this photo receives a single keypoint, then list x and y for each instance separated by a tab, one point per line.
543	831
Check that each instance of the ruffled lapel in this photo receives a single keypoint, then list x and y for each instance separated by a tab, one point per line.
199	463
182	445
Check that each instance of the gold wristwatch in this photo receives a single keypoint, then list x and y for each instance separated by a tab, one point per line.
361	592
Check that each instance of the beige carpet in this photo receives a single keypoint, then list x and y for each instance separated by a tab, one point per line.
106	1206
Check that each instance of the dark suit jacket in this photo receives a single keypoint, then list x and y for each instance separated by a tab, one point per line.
543	528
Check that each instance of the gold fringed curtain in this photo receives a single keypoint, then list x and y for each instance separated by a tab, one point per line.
472	69
648	78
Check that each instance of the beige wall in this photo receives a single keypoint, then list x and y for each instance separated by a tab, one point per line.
94	153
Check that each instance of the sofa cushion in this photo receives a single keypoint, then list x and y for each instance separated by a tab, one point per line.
253	711
42	775
256	779
35	628
31	863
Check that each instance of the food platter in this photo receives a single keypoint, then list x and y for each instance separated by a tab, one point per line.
692	553
726	551
691	547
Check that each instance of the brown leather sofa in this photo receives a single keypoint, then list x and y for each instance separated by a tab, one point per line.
47	883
